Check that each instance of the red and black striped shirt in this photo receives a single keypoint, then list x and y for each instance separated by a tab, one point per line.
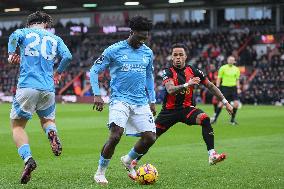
180	76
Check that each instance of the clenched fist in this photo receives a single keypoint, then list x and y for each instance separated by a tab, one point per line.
14	58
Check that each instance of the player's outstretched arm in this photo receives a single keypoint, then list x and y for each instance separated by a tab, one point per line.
99	66
215	91
65	56
14	39
173	89
150	87
94	79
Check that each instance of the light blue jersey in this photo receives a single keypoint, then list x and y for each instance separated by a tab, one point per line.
38	50
131	72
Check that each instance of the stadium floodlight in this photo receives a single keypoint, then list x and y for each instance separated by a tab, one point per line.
176	1
131	3
89	5
12	10
49	7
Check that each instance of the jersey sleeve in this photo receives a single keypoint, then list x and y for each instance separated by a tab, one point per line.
100	65
198	73
64	54
221	72
150	81
14	39
167	75
238	73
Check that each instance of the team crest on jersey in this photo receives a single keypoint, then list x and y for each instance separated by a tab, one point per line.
100	60
124	57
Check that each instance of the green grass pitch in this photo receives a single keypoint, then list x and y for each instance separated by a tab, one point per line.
255	151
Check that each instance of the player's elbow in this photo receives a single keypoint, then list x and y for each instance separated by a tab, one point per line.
94	70
68	57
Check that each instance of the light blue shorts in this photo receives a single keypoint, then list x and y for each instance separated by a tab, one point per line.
27	101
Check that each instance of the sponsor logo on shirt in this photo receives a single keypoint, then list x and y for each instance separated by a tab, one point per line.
133	67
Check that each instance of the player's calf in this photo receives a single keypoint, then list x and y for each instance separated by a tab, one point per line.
208	136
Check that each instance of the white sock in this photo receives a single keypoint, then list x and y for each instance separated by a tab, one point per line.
101	170
211	152
127	158
27	158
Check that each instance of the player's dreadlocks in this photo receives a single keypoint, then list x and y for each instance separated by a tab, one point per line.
39	17
139	23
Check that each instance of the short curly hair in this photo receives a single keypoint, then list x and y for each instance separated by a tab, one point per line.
39	17
180	45
140	23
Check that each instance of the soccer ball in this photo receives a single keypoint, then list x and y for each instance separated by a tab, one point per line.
147	174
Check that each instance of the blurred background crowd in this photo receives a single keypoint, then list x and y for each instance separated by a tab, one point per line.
259	51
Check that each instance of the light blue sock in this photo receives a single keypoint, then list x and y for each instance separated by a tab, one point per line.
49	128
25	152
133	155
103	163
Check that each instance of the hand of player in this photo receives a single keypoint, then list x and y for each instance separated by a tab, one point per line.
153	109
193	81
239	91
14	58
98	103
229	108
56	78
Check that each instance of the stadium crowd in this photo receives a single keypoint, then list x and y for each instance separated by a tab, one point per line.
207	51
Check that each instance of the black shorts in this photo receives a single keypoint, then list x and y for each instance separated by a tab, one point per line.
230	93
168	118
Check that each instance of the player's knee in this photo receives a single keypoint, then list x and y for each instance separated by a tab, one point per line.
149	138
152	139
236	104
115	133
203	120
18	123
114	138
206	125
45	122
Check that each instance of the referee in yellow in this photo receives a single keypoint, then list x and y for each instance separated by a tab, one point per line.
228	75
